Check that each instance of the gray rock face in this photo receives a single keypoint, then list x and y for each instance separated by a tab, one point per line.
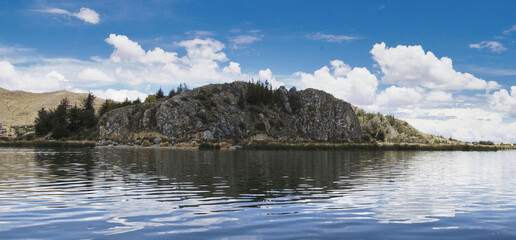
283	94
157	140
211	113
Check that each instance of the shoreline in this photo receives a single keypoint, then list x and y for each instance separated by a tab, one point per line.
269	146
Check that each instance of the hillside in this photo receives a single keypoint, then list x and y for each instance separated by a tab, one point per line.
226	112
236	112
386	128
19	108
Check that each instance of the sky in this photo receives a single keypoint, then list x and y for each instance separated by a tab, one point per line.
446	67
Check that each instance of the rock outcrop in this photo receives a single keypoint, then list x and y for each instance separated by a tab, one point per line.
217	112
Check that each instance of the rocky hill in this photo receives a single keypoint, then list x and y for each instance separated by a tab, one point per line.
230	112
19	108
385	128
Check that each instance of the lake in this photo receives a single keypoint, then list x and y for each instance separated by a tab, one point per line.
118	193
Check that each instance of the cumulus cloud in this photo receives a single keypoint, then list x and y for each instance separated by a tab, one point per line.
267	75
439	97
201	64
466	124
330	37
11	79
119	95
493	46
93	74
356	85
85	14
410	66
399	96
233	68
503	101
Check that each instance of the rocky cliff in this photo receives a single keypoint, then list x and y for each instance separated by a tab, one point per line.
218	112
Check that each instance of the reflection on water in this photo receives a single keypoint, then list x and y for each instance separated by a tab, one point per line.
155	193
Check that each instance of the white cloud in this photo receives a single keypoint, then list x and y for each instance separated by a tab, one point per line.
330	37
243	40
466	124
125	49
119	95
410	66
357	86
85	14
512	29
503	101
493	46
399	96
439	97
200	33
267	75
233	68
11	79
93	74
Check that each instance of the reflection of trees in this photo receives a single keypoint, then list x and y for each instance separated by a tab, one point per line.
262	174
67	163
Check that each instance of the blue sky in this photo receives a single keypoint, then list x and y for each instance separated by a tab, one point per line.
129	49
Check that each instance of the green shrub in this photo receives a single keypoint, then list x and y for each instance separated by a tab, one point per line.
260	126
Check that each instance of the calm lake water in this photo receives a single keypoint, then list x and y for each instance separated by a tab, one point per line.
171	194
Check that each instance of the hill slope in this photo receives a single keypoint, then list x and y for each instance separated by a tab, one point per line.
218	112
19	108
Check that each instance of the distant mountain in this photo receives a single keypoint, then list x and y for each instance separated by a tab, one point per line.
19	108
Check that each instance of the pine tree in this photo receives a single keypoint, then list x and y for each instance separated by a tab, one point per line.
43	123
75	119
88	112
171	93
59	120
160	94
137	101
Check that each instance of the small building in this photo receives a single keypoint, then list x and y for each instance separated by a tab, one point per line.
2	129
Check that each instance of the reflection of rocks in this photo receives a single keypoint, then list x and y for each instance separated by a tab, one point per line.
213	111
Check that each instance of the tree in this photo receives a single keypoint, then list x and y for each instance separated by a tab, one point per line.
241	101
126	102
59	120
137	101
43	123
88	112
151	97
160	94
182	87
171	93
75	118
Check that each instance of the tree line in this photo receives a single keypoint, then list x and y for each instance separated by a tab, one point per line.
66	120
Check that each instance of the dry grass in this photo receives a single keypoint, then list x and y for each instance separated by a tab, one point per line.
164	144
146	143
19	108
187	145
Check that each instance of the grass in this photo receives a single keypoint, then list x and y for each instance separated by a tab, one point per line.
374	146
48	144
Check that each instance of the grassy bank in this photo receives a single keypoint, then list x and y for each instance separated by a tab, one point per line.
374	146
48	144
